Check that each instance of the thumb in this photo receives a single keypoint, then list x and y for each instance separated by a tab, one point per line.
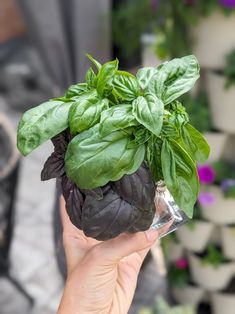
126	244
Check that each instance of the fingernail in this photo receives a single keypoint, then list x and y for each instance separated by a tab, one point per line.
151	235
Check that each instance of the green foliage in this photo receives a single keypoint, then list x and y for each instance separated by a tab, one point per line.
161	307
118	120
213	257
130	19
223	170
229	70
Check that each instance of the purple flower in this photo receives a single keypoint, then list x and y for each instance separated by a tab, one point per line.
226	184
206	198
181	263
206	174
227	3
154	5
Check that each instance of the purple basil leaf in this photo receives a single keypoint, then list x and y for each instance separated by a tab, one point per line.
95	193
144	222
73	201
53	167
61	141
107	218
138	188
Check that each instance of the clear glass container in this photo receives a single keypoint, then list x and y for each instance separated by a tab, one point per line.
167	210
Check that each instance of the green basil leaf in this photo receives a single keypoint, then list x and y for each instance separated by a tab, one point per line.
174	78
91	78
86	111
76	90
180	175
142	135
194	143
92	160
153	155
116	118
95	62
148	111
106	75
41	123
145	75
126	86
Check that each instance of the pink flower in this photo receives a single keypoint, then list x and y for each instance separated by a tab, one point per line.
181	263
206	174
206	198
228	3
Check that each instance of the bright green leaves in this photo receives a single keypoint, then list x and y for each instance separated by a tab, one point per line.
119	120
126	86
116	118
148	111
105	76
174	78
85	111
41	123
76	90
92	160
194	143
144	76
180	175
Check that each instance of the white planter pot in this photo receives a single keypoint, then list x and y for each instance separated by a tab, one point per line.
195	239
208	277
214	37
217	142
222	210
149	58
175	252
188	295
222	102
223	303
228	242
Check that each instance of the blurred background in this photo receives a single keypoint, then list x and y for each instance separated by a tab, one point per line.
42	51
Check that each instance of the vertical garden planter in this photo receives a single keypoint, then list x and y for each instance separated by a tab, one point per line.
195	238
149	58
188	295
228	241
214	37
222	210
222	102
223	303
217	142
209	277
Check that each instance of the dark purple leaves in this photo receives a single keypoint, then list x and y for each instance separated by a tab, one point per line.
138	189
74	201
54	166
107	218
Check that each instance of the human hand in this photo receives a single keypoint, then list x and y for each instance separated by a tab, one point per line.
102	276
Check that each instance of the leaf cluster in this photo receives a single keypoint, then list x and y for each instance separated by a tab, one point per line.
117	121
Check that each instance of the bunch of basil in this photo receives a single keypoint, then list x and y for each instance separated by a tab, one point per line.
106	128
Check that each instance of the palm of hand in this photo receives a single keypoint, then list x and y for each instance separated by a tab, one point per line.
96	284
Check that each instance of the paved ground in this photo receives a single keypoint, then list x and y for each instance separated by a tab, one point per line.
33	262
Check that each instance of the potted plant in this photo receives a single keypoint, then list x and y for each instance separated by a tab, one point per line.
217	185
119	138
221	91
172	248
196	234
228	240
224	301
210	270
183	291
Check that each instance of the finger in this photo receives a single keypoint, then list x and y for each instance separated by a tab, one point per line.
124	245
